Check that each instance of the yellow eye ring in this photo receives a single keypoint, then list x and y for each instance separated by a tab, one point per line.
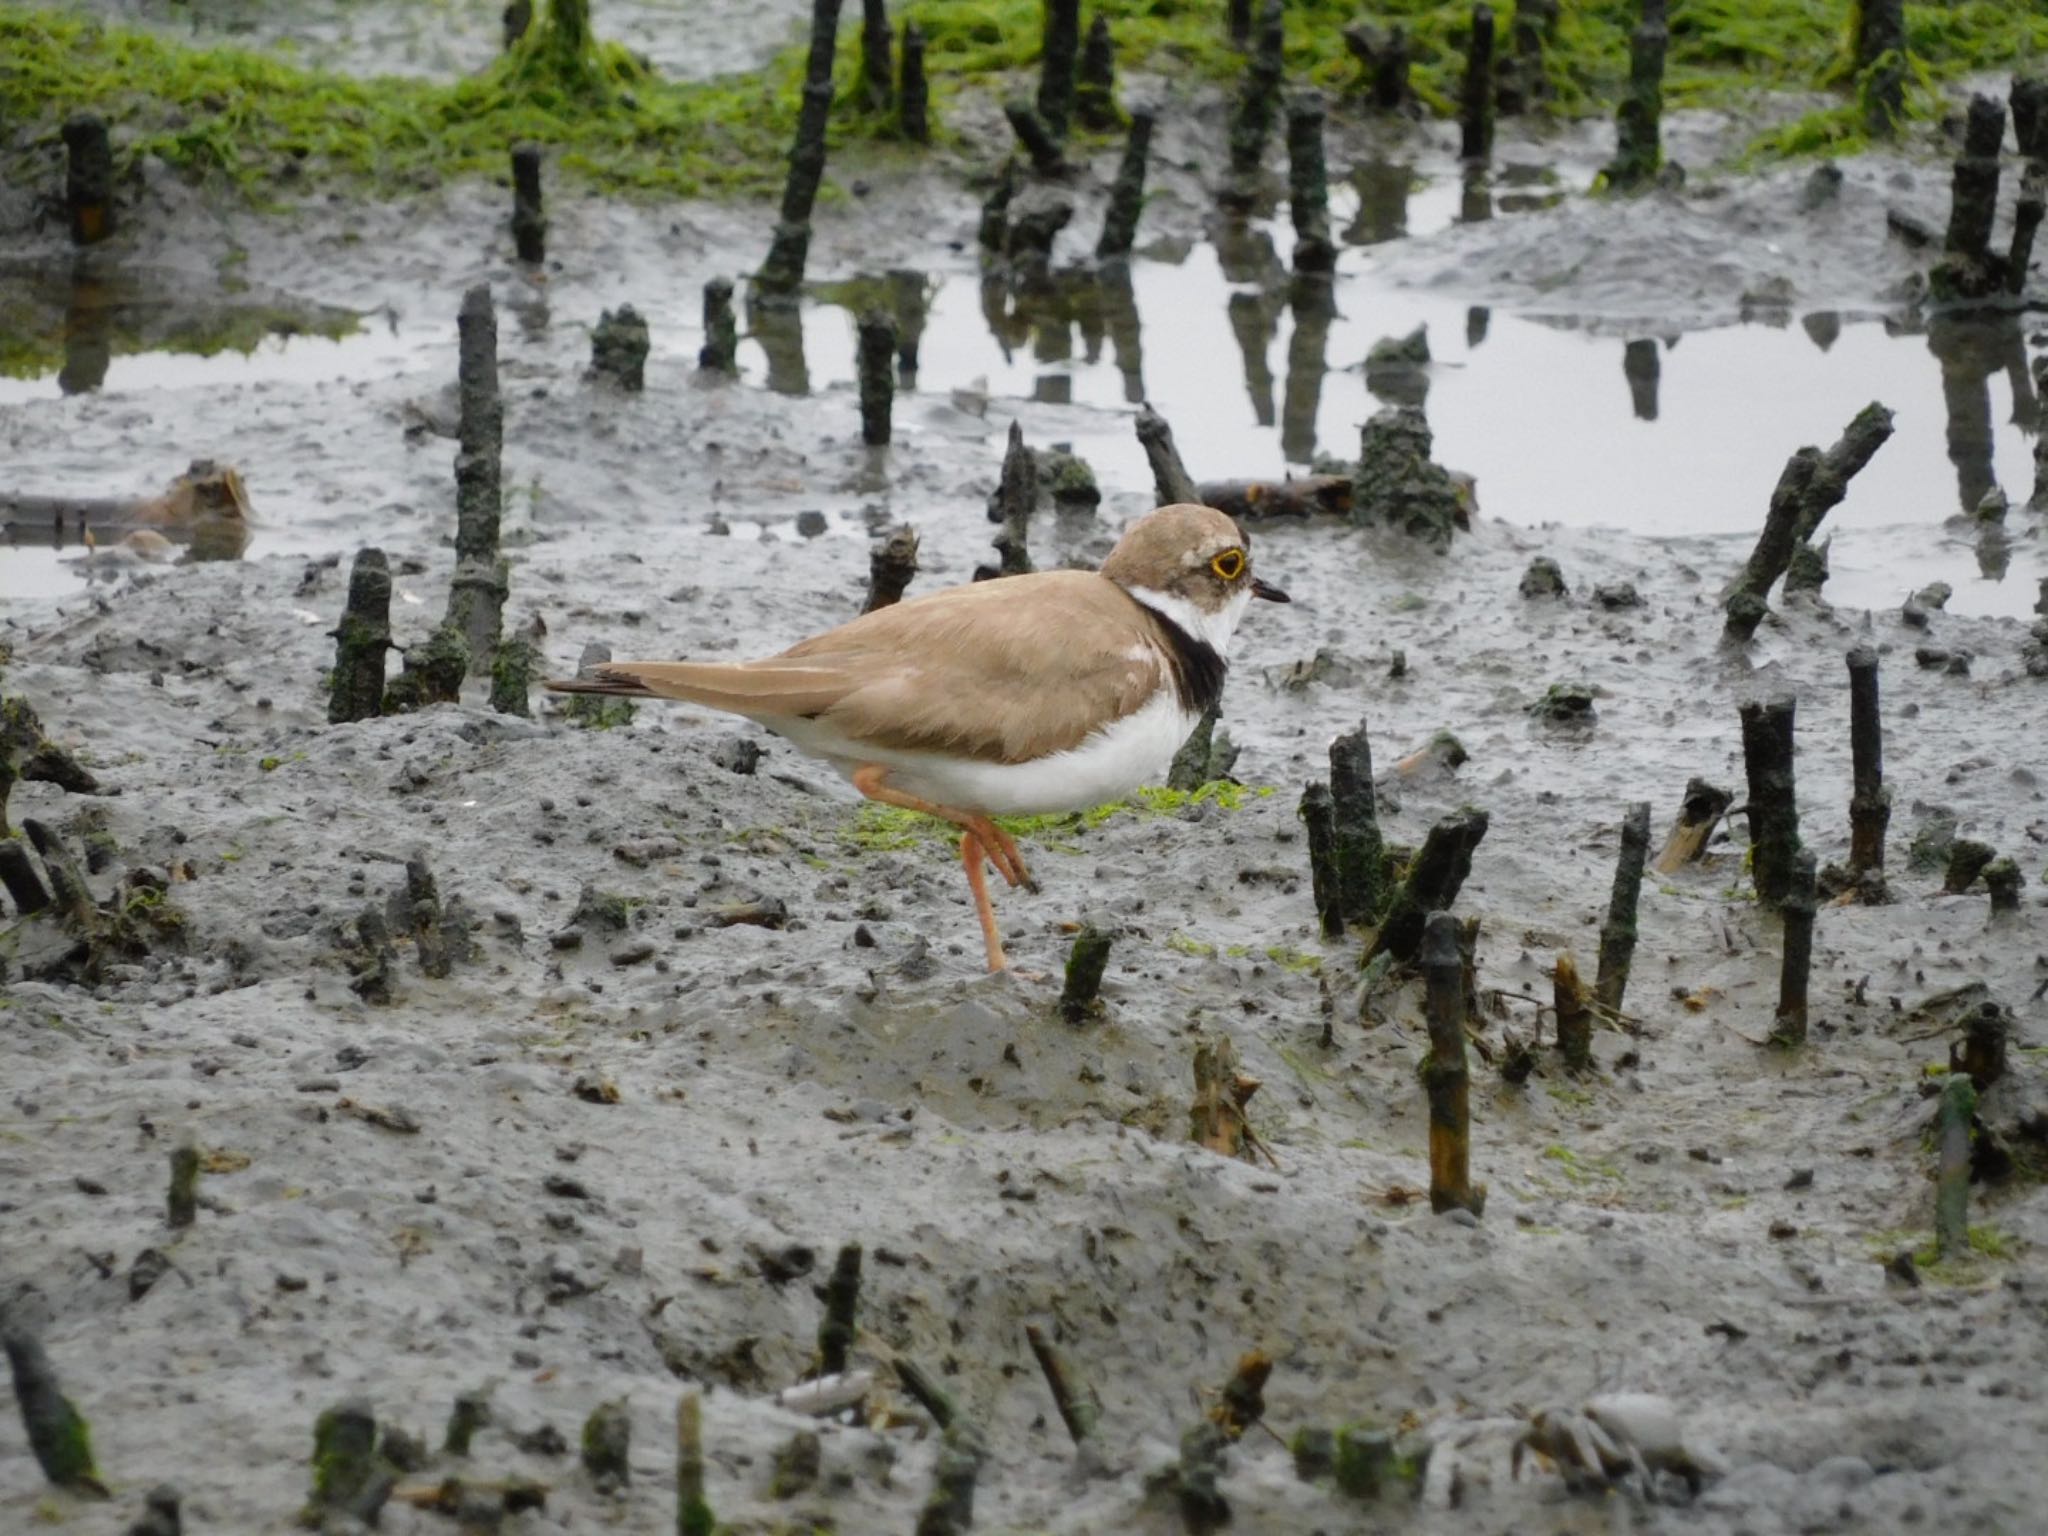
1229	565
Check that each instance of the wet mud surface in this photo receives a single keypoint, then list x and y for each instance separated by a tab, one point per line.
1703	1218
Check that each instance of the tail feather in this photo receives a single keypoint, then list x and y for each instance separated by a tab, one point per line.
771	689
618	684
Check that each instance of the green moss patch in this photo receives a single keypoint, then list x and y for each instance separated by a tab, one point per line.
261	123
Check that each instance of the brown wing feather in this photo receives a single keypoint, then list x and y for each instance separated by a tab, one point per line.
1003	670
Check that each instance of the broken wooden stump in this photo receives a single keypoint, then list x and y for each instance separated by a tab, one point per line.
27	755
1699	813
1206	756
1059	50
993	231
842	1302
481	583
349	1478
1080	999
1987	1031
529	221
720	352
1638	146
913	91
606	1446
1811	485
1618	935
782	273
875	367
877	43
181	1206
1870	803
1095	81
161	1513
1127	192
1399	486
1216	1116
892	563
1799	905
1958	1107
1967	859
512	671
1475	97
949	1508
470	1413
2027	213
1445	1081
1303	496
1364	878
431	672
619	347
1016	495
1969	269
1258	105
1881	64
1521	84
1431	883
1172	484
1767	755
1079	1409
88	178
2002	878
693	1510
1319	818
361	640
1386	58
1242	1402
57	1431
18	874
1203	1509
1574	1008
1309	185
1039	141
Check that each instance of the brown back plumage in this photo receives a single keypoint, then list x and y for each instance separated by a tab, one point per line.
1002	671
1060	652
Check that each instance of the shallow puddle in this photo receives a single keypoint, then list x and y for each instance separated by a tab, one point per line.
1675	434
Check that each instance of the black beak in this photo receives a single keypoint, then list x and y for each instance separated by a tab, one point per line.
1269	592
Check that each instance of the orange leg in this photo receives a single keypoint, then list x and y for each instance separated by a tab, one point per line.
971	855
999	847
980	839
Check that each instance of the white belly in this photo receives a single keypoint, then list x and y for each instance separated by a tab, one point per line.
1106	766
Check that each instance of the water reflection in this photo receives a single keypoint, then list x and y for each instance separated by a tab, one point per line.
1718	421
1382	187
779	329
67	320
1639	363
1971	349
1315	306
1475	201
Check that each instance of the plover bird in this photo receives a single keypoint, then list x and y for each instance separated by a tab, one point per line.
1056	691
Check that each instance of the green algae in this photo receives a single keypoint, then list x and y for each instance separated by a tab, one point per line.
888	829
263	124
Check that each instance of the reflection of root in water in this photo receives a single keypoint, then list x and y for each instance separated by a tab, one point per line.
1044	313
88	338
1640	364
1383	189
779	330
1314	308
1971	349
1255	321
